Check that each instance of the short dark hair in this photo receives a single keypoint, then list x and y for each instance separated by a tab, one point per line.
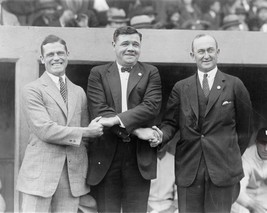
126	30
262	136
200	36
53	39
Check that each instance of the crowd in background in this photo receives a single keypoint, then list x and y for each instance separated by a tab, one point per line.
242	15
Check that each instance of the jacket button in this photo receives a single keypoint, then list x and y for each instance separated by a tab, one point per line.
99	163
202	136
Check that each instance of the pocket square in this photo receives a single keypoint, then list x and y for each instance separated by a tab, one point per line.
226	102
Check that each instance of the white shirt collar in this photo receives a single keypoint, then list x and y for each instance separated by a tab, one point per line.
55	79
211	74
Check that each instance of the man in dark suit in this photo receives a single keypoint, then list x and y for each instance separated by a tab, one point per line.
127	94
212	110
52	177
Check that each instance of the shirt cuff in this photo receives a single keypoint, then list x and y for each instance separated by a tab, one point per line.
121	124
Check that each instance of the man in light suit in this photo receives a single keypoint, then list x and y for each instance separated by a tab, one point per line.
52	176
213	114
127	94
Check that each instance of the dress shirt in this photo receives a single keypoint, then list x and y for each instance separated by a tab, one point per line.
55	79
124	76
210	77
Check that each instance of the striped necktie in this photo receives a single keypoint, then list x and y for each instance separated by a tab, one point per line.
205	84
63	89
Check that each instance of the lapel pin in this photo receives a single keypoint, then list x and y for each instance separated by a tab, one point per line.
140	74
218	87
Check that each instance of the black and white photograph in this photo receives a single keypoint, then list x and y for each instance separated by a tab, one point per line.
133	106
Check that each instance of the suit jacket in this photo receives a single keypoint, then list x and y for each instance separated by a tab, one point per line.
225	132
55	138
104	99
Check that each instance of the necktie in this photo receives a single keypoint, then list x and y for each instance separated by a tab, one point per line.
126	69
205	85
63	89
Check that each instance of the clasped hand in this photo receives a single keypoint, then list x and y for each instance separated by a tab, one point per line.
152	135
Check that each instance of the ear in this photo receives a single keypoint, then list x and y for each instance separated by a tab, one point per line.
218	51
42	59
113	44
192	55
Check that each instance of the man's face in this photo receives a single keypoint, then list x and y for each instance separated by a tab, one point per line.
262	15
262	150
127	49
205	53
55	58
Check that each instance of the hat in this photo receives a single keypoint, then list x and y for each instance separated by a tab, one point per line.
149	10
141	22
260	5
230	20
262	136
196	24
116	15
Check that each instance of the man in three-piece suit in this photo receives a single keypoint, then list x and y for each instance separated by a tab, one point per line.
213	111
127	94
52	176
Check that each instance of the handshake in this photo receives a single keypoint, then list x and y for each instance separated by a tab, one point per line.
153	135
95	129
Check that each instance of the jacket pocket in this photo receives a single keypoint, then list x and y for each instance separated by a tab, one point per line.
33	162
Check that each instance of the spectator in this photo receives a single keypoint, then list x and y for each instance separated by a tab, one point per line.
189	11
152	14
262	16
230	6
7	18
47	12
84	16
231	22
101	7
242	15
116	18
253	192
173	20
213	14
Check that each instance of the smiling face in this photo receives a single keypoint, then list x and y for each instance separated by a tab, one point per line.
127	48
205	53
55	58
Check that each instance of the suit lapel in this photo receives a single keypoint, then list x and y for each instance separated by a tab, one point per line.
216	90
135	75
113	78
72	100
52	90
192	94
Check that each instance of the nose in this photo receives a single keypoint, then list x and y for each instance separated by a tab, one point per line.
206	55
130	47
56	56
